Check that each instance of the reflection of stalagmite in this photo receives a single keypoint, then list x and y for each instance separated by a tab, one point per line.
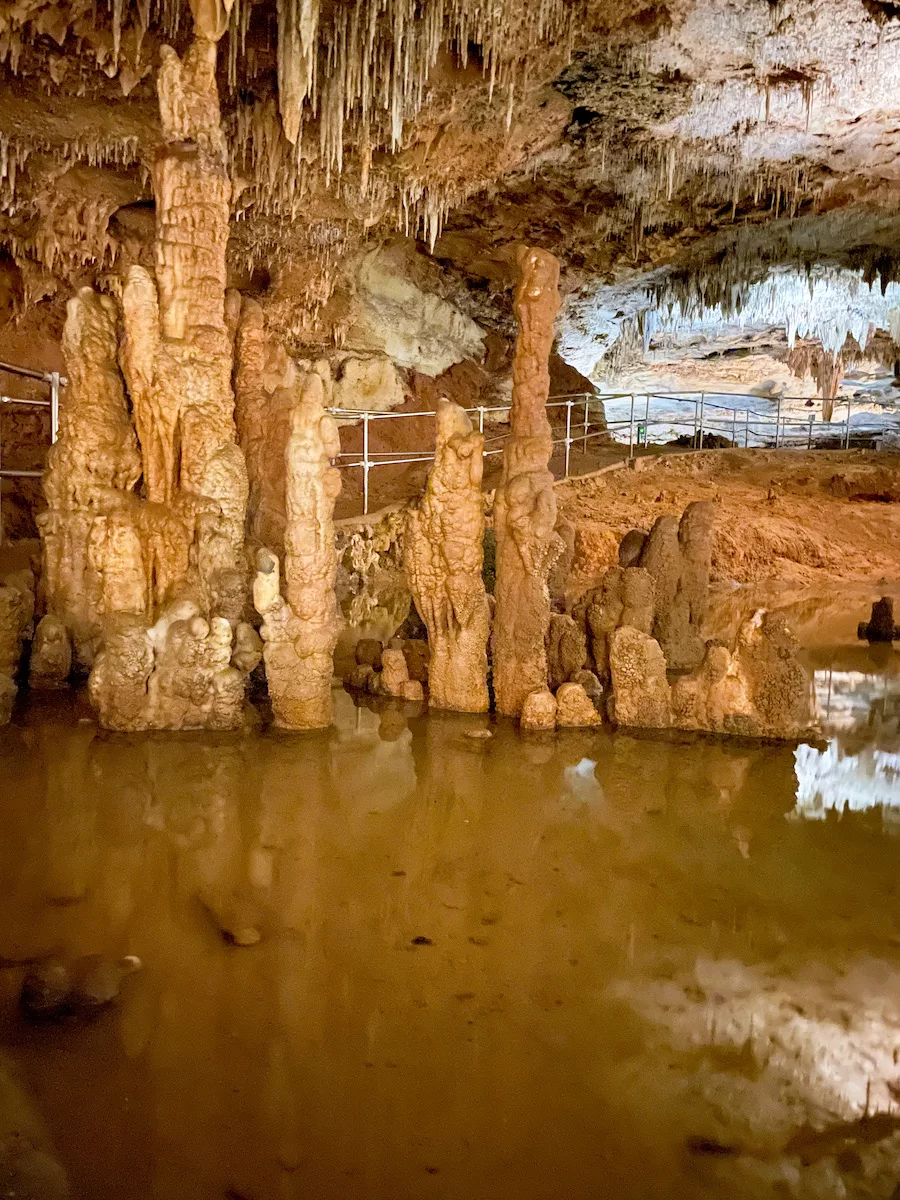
300	628
443	555
525	504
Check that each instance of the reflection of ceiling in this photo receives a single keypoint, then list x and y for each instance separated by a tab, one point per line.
828	779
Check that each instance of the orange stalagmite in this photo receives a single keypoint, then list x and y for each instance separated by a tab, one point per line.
443	553
525	503
300	628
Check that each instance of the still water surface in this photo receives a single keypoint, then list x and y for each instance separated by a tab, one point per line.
585	966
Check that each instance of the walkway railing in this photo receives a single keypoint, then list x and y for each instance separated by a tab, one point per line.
54	382
587	418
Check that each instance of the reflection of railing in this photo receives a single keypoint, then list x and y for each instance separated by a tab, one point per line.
742	425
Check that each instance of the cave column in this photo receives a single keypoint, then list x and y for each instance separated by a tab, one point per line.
525	502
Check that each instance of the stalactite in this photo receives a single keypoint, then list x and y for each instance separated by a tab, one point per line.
525	503
443	551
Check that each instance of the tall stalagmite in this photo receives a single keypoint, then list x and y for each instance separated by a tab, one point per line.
443	555
525	503
300	629
93	561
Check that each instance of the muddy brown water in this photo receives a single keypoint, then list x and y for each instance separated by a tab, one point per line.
581	966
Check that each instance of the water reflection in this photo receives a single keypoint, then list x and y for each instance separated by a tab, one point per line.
479	968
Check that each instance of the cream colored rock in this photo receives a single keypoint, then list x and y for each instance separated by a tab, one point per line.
443	555
412	327
539	710
640	691
248	648
185	681
394	671
574	707
525	502
370	384
300	628
51	654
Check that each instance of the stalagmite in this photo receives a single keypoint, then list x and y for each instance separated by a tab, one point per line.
300	628
525	503
92	550
265	397
51	654
443	553
178	349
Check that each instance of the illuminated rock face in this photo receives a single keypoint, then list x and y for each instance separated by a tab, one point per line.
757	690
176	674
300	627
525	504
443	554
16	612
108	552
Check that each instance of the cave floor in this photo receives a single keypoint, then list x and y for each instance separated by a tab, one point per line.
589	966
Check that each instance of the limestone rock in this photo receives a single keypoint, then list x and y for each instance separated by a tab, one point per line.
640	695
592	686
300	629
443	555
394	671
631	547
369	653
360	676
575	708
412	327
371	384
16	605
677	556
8	692
417	653
539	710
525	502
177	678
566	649
767	657
51	654
248	648
625	597
880	626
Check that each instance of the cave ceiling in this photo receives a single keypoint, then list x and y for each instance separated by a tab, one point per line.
667	153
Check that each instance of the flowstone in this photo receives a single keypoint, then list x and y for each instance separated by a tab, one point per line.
525	502
16	612
300	628
443	555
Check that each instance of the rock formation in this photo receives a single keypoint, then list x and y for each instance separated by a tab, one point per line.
443	557
109	552
51	654
16	612
757	690
300	628
93	559
677	556
176	674
525	504
880	627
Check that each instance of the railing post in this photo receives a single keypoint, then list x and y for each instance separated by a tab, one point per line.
568	435
695	424
746	428
584	442
365	463
778	425
734	427
702	407
809	437
54	406
481	418
631	430
847	437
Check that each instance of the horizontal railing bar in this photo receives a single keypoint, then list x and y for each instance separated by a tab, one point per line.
10	474
19	400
